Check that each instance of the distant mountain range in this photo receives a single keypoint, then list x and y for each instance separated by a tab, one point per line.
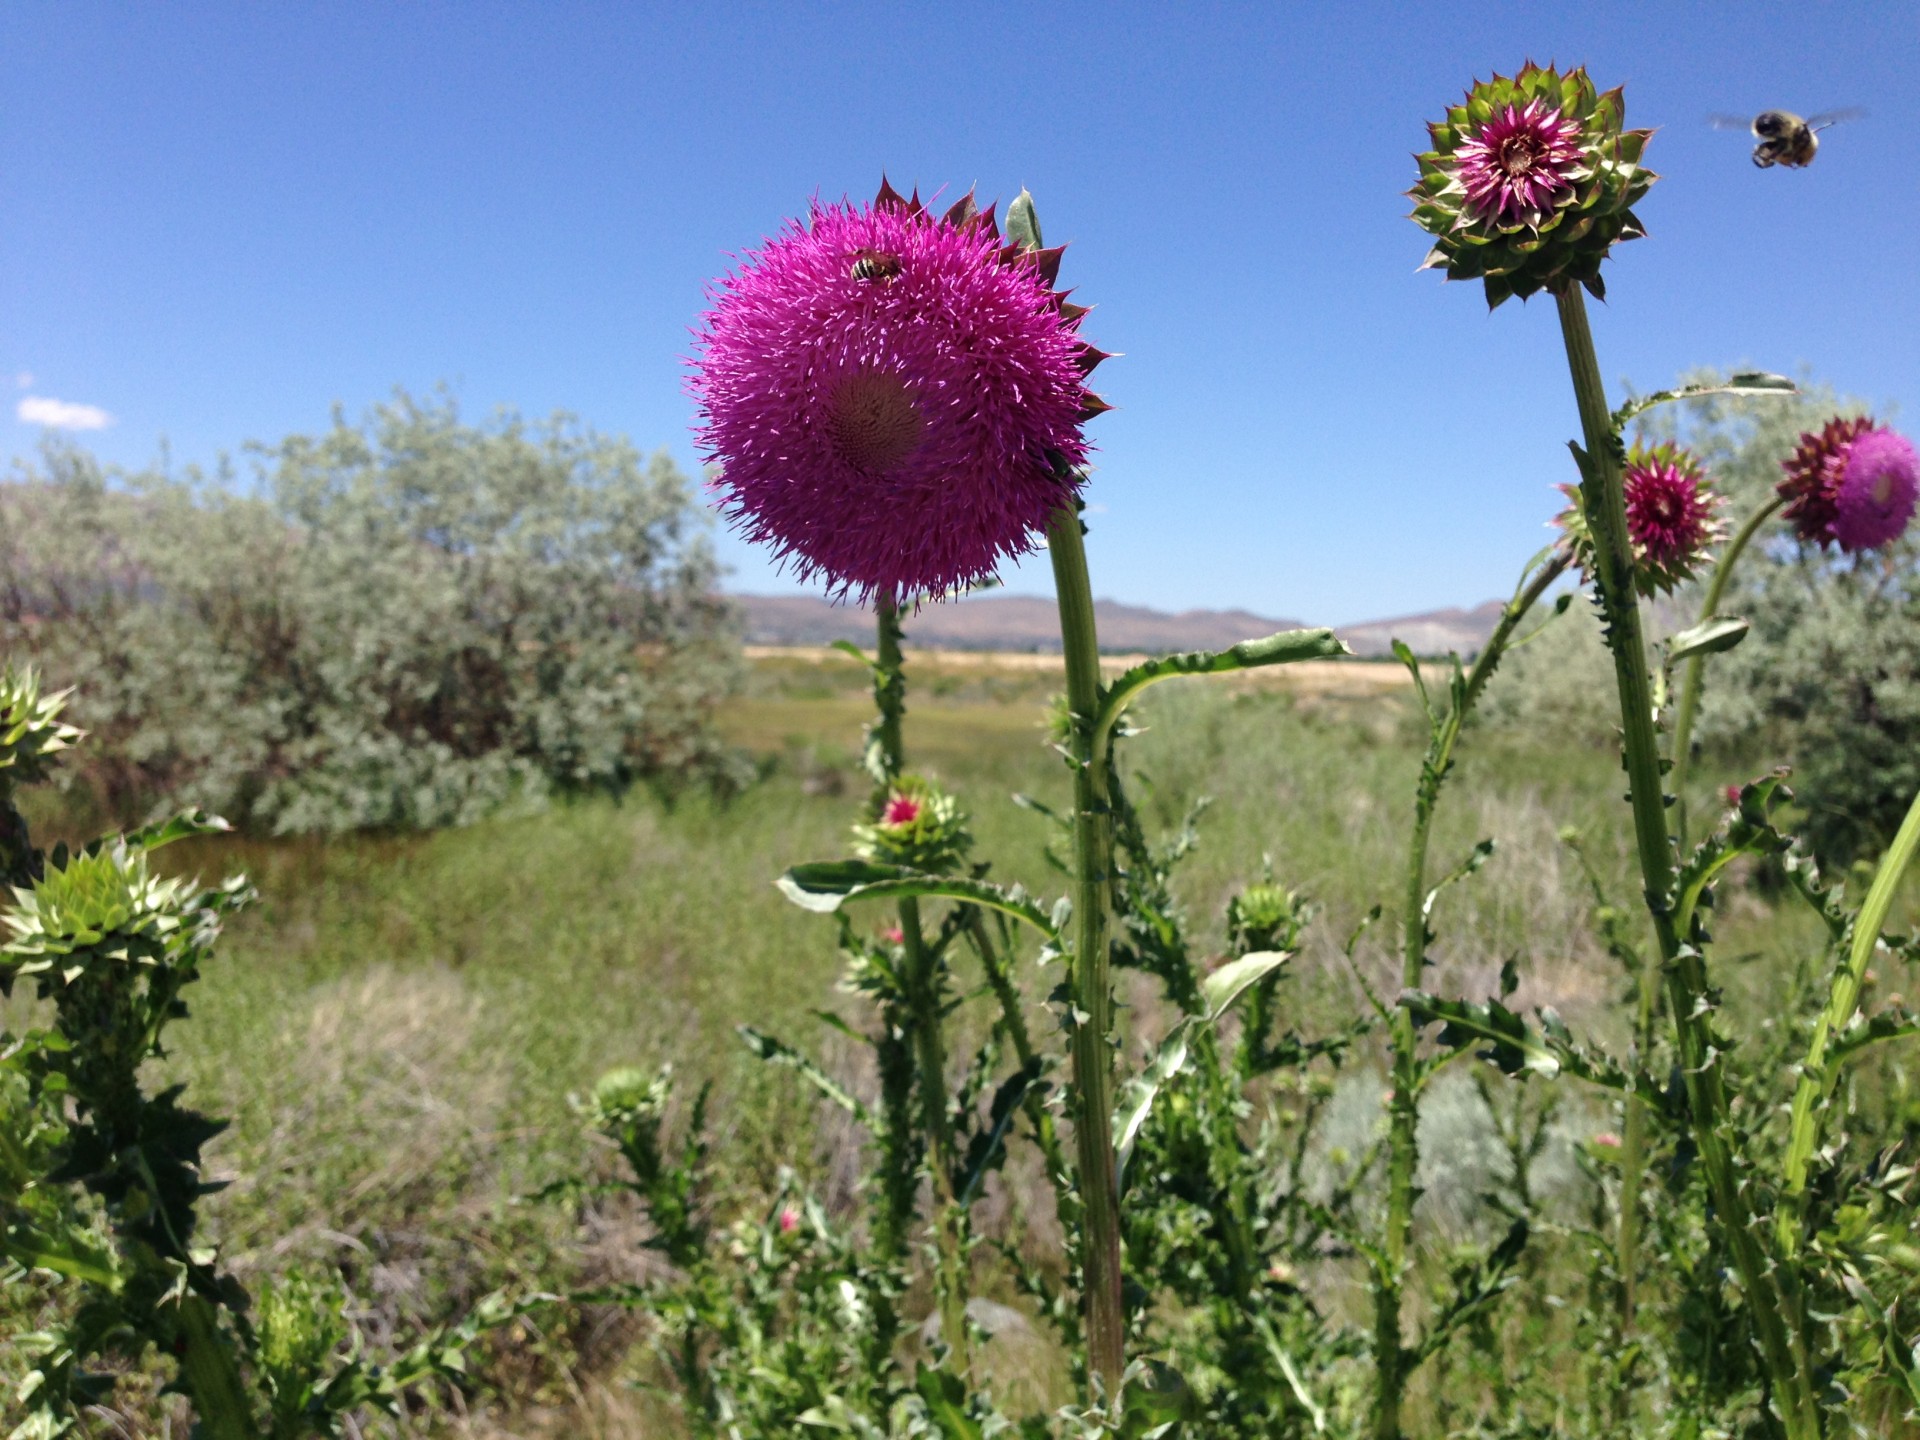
1022	622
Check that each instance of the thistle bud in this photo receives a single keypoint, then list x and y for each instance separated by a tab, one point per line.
1530	182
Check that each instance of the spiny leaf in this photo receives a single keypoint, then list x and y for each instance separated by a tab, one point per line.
1747	382
824	887
778	1052
1281	649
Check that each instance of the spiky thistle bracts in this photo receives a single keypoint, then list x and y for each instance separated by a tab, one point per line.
1674	518
1852	483
894	397
917	824
1530	182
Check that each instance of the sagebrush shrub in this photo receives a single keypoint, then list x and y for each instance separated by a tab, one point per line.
403	623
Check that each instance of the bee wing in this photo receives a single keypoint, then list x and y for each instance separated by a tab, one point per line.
1731	122
1833	117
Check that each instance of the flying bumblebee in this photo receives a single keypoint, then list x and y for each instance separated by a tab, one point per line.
1783	137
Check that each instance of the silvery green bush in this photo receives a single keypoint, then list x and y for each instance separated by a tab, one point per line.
402	623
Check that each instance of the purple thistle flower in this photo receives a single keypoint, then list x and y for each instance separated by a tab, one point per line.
1516	165
894	398
1672	512
1673	518
1853	482
1875	498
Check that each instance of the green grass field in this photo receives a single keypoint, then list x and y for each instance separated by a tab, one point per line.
396	1028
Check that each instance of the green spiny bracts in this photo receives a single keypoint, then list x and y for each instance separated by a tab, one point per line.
1265	917
1530	182
106	904
916	824
31	731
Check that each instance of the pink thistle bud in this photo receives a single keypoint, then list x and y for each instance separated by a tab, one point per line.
1607	1140
900	810
1672	514
894	398
1673	518
1733	794
789	1220
894	935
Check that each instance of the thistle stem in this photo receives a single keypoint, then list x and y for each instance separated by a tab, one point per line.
1391	1358
1092	984
211	1376
921	983
1602	490
1633	1157
1633	1148
1690	677
1816	1076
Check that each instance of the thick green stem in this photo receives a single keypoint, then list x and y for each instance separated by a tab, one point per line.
923	989
1633	1148
1633	1159
1817	1078
1092	984
1689	702
1403	1111
212	1377
1603	497
923	1002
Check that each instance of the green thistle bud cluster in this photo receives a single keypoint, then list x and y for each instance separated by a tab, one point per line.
626	1096
1264	917
917	824
31	731
1529	183
105	904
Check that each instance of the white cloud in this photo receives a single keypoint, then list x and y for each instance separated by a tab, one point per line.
24	380
61	414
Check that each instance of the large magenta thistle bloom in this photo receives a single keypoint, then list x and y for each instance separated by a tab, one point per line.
1853	482
1519	162
1877	490
894	398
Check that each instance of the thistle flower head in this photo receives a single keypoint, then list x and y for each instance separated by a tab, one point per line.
1673	515
1516	165
894	397
1265	917
1876	496
1673	518
1529	183
1853	482
914	823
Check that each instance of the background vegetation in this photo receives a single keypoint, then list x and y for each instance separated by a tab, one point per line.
400	624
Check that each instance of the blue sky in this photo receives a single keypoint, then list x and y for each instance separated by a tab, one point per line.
217	220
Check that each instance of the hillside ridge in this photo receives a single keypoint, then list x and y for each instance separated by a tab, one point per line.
1026	622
